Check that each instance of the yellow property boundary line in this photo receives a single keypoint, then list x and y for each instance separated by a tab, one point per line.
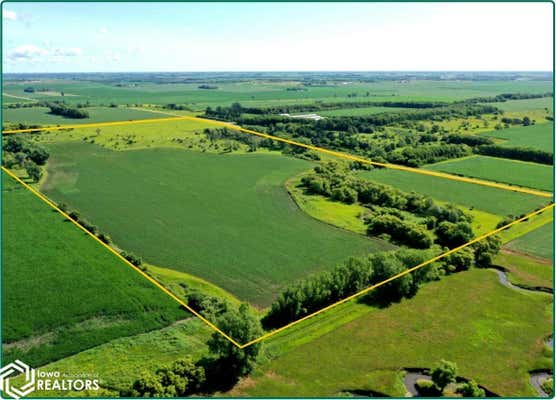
294	143
276	331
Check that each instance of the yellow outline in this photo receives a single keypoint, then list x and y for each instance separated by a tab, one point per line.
292	142
346	156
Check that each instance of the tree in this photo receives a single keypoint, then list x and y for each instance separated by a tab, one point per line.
459	261
486	250
470	389
33	170
243	326
444	374
452	235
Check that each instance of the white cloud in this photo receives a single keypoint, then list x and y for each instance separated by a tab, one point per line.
103	30
27	52
32	53
68	52
9	15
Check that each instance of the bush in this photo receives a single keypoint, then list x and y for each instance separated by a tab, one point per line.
427	388
470	389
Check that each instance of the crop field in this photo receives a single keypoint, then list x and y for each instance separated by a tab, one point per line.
42	115
225	218
539	242
254	93
491	200
539	136
537	176
487	328
544	103
82	295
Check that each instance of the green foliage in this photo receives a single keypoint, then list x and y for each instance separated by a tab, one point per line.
181	378
517	153
548	387
243	326
67	111
444	374
318	291
485	250
453	235
401	232
427	388
18	152
470	389
538	136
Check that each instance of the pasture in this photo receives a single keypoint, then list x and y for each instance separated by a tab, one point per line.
42	115
513	172
225	218
539	136
485	328
69	293
538	242
526	271
488	199
543	103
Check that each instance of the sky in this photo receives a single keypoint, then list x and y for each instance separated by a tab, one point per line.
112	37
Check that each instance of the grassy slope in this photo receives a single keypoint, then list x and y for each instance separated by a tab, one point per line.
491	200
526	226
62	291
526	270
225	218
542	103
539	136
490	331
120	362
519	173
539	242
42	116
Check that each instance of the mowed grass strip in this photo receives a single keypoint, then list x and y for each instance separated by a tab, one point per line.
63	292
225	218
469	318
539	242
539	136
536	176
42	115
491	200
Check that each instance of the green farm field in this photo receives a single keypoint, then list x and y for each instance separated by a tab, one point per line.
537	176
42	116
526	271
543	103
69	293
488	199
488	327
539	242
539	136
225	218
261	93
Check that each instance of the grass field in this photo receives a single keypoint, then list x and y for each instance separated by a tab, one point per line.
519	173
42	116
539	136
539	242
525	270
543	103
525	227
225	218
62	292
118	363
493	333
491	200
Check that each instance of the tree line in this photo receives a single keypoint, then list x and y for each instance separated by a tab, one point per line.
67	111
517	153
320	290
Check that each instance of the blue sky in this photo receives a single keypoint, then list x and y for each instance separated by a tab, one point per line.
62	37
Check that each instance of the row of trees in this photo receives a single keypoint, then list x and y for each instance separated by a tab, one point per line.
517	153
21	153
65	110
315	292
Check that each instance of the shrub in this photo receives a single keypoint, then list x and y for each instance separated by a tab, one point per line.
427	388
470	389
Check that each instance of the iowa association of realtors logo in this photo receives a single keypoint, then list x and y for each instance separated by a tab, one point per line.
12	370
